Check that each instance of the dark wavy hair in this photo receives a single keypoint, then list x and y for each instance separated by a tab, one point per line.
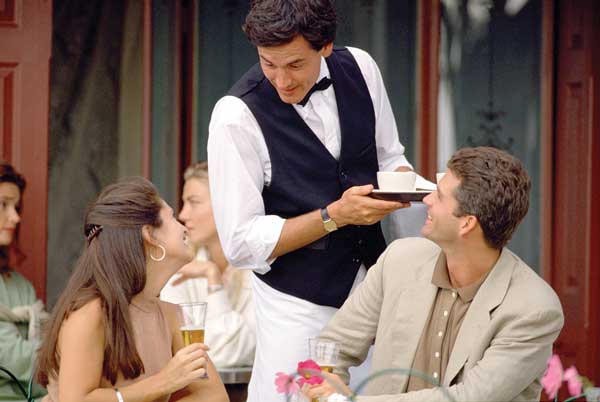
8	174
494	187
111	268
277	22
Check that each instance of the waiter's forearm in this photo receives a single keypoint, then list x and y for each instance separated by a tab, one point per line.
355	207
299	231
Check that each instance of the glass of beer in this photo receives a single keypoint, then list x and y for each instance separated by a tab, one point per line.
324	353
193	316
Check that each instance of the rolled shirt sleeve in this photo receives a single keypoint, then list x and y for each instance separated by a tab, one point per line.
236	172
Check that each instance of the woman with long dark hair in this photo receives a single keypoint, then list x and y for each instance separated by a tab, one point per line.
20	310
109	337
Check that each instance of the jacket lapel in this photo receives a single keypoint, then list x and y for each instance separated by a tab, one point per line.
413	311
490	295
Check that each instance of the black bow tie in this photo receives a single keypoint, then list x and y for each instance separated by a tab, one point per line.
319	86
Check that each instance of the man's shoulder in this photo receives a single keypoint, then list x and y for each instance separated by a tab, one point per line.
230	110
357	52
411	254
246	84
527	288
362	58
414	245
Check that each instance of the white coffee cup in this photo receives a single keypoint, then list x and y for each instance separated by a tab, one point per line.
396	181
439	176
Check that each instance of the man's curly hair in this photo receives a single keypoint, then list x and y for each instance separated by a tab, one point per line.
277	22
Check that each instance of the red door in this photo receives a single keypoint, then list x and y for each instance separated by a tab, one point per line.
575	267
25	48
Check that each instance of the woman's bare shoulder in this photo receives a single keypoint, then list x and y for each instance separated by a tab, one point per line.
82	331
86	319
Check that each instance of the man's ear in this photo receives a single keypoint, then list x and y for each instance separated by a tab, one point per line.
468	224
326	50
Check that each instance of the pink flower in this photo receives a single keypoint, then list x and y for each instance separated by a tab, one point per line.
309	378
553	377
285	384
574	383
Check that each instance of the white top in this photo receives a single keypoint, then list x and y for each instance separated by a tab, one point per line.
240	166
230	322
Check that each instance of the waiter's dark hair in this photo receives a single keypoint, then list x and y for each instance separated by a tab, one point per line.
277	22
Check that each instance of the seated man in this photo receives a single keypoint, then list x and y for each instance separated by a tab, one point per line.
457	306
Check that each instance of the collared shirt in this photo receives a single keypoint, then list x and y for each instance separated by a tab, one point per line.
240	166
442	327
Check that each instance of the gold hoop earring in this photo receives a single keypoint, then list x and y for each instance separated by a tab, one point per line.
162	257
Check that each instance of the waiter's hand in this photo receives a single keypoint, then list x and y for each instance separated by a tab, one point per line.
357	208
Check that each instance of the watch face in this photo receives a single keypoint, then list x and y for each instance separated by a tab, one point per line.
330	225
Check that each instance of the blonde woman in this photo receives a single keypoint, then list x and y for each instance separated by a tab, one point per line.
230	332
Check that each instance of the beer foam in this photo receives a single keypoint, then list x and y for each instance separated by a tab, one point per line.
192	328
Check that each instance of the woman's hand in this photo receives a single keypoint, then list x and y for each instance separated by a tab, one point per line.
200	269
188	364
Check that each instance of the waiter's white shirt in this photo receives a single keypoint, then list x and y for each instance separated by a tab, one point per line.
239	169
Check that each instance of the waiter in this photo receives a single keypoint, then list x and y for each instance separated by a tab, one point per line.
293	152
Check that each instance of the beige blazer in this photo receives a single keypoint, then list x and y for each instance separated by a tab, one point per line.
501	349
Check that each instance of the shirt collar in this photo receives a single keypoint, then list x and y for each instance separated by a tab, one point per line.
324	72
441	279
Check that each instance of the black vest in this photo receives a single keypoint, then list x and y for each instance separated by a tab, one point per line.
306	177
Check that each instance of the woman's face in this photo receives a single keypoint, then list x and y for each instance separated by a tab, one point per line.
10	197
197	213
173	236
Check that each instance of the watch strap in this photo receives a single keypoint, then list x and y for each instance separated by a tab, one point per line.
328	223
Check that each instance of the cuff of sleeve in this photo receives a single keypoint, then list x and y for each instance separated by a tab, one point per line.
218	304
395	163
262	239
402	161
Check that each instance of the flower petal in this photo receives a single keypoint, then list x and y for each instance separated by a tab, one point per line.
553	377
285	384
309	370
573	381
